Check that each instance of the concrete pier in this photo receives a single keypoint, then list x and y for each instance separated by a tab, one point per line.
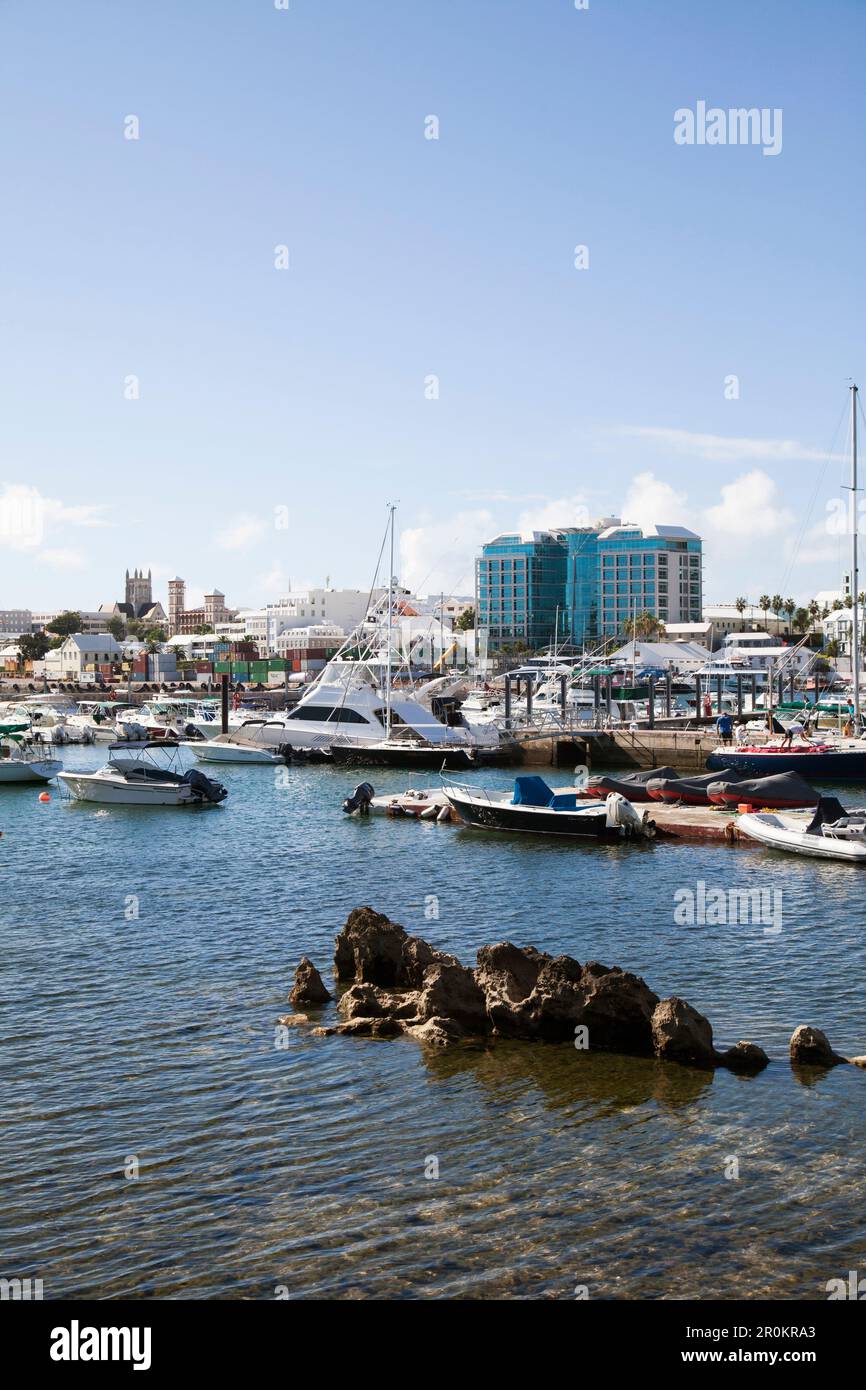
685	750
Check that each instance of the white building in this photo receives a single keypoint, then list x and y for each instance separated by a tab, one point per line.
342	608
838	626
81	654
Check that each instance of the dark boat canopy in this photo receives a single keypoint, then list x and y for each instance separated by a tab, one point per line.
138	745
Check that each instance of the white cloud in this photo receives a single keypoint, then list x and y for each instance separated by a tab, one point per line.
750	506
649	501
440	556
719	448
62	559
242	531
27	518
562	511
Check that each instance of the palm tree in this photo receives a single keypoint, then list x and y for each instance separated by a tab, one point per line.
741	606
801	619
814	611
765	603
790	607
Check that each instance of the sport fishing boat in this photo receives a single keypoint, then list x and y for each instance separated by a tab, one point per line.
20	761
532	807
830	832
144	774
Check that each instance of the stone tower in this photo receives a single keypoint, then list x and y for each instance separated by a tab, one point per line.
139	591
176	604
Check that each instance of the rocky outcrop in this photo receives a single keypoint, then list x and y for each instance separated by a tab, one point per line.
681	1034
809	1047
308	987
373	950
396	983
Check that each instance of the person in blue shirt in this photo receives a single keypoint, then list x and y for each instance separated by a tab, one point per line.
725	727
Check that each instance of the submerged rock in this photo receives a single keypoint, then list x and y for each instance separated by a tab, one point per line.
308	987
745	1057
809	1047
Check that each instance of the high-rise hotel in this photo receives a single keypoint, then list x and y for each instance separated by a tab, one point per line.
585	582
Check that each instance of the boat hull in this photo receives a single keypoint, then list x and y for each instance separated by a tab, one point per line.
454	759
847	766
41	771
778	836
109	793
586	824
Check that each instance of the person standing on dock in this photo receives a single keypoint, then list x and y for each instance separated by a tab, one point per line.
725	727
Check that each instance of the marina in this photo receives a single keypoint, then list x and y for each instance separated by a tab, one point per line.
432	676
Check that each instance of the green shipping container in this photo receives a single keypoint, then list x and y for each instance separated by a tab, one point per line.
240	670
223	668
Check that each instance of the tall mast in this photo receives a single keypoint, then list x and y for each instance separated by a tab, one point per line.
855	582
392	509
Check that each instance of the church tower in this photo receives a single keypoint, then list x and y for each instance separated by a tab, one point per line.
139	591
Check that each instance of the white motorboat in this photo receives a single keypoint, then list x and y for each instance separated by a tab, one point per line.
19	759
350	703
96	719
144	774
830	832
170	717
225	749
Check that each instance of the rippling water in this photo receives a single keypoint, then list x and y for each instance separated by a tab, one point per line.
301	1171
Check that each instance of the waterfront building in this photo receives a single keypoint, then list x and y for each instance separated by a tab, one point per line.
15	622
520	581
186	620
655	570
839	625
585	582
82	654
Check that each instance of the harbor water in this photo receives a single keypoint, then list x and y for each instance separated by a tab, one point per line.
160	1137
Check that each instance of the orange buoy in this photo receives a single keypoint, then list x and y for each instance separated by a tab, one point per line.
44	796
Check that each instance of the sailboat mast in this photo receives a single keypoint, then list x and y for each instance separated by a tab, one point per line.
390	629
855	581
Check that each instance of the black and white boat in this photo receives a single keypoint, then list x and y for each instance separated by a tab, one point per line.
534	808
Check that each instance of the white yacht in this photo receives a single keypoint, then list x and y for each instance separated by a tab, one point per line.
349	704
143	774
20	761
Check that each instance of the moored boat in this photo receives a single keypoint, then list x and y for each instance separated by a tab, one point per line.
785	790
844	761
532	807
20	761
685	791
226	749
830	832
143	774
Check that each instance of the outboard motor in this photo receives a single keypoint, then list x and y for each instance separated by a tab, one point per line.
360	800
205	786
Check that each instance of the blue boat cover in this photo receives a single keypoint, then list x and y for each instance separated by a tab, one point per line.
563	801
531	791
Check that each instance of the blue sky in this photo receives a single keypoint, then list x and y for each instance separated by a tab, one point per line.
300	393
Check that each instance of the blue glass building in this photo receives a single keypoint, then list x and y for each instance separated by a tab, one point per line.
585	582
